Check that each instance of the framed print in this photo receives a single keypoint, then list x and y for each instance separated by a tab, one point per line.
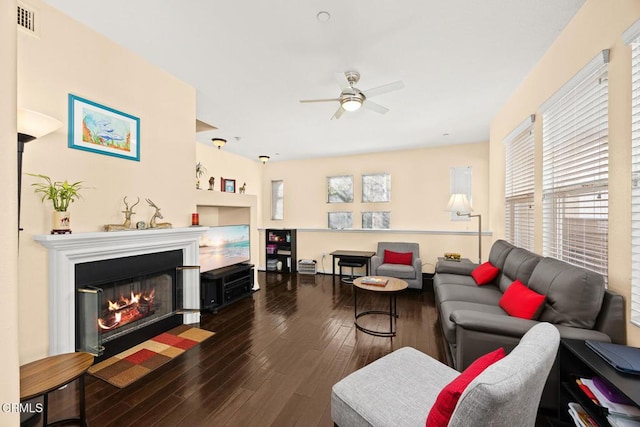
99	129
227	185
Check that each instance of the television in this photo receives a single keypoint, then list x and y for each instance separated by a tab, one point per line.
223	246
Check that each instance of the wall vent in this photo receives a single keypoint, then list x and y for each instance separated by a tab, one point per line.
27	19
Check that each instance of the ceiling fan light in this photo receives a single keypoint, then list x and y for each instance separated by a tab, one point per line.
351	103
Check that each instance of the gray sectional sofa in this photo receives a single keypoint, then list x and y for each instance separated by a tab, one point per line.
473	323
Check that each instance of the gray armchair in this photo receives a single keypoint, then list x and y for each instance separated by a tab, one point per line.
400	388
412	274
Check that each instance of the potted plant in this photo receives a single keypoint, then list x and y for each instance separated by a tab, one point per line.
200	171
61	194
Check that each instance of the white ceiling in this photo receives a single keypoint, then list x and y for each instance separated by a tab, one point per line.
251	62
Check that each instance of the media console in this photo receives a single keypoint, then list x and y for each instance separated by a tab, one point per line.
224	286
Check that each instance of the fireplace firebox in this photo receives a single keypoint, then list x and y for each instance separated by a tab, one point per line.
122	302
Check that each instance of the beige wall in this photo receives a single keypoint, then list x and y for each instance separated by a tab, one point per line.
597	26
70	58
9	380
419	195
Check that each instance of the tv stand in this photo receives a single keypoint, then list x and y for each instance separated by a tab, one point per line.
224	286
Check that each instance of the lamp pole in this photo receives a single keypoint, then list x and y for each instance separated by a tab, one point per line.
479	232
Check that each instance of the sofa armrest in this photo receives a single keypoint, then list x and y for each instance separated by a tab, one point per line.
492	323
455	267
376	261
417	265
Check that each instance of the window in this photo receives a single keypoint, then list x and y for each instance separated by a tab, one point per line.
632	36
376	188
340	220
461	184
519	185
575	170
340	189
376	220
277	199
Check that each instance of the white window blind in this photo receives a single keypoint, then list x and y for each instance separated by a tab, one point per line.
519	185
575	170
635	177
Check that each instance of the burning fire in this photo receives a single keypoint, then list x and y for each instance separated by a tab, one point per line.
126	310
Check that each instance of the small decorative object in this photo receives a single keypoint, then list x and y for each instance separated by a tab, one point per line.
452	256
128	212
242	188
200	171
141	225
99	129
195	218
228	185
157	215
61	195
211	181
279	265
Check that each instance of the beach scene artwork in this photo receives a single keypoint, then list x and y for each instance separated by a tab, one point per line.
223	246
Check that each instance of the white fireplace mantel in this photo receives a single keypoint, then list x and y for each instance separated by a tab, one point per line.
67	250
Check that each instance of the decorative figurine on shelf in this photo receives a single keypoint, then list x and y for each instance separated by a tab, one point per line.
158	215
200	171
211	181
243	188
128	212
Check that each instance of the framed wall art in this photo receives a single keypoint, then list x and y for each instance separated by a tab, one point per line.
100	129
227	185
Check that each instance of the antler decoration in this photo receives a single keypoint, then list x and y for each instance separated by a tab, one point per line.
128	212
158	215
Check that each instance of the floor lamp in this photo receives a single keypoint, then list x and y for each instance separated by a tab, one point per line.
459	204
31	125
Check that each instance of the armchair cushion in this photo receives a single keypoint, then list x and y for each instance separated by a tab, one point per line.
448	397
520	301
401	271
485	273
391	257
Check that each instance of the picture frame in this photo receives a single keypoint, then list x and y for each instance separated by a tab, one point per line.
227	185
100	129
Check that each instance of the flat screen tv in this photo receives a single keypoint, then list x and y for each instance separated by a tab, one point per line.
223	246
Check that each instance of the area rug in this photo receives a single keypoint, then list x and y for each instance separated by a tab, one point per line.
136	362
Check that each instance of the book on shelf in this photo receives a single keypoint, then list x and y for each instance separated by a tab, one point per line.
284	252
614	408
580	416
374	281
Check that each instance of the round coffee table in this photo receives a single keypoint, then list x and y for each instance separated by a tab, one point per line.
392	287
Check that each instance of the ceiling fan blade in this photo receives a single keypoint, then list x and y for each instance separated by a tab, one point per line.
338	113
375	107
383	89
341	78
319	100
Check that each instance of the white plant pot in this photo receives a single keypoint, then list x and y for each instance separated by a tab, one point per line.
61	221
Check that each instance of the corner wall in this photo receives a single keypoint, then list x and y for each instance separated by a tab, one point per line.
597	26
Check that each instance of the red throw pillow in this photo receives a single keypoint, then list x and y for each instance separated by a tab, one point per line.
520	301
485	273
447	399
391	257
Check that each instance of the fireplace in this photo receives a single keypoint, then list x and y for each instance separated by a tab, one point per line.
68	250
121	302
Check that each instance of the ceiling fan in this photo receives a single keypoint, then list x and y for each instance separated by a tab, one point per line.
351	98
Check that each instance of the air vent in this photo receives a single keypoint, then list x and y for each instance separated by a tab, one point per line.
27	19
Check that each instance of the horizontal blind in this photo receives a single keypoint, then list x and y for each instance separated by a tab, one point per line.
575	171
519	187
635	187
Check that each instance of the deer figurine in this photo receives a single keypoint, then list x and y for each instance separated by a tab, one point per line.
128	211
152	221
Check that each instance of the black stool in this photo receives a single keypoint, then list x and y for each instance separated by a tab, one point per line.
349	263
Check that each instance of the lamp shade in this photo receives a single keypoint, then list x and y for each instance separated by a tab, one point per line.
35	125
351	103
264	158
459	203
219	142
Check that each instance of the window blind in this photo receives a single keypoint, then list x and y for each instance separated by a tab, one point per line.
519	185
575	170
635	180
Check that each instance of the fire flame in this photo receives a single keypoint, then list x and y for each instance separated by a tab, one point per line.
127	306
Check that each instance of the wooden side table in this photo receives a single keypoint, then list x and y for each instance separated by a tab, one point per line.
43	376
392	288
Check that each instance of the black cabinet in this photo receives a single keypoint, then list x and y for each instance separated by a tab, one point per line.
224	286
579	361
280	250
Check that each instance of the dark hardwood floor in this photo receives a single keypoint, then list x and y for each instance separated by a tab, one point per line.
272	362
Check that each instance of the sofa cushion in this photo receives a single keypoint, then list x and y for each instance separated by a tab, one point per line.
573	294
499	251
447	399
400	271
485	273
391	257
519	265
487	294
448	307
520	301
